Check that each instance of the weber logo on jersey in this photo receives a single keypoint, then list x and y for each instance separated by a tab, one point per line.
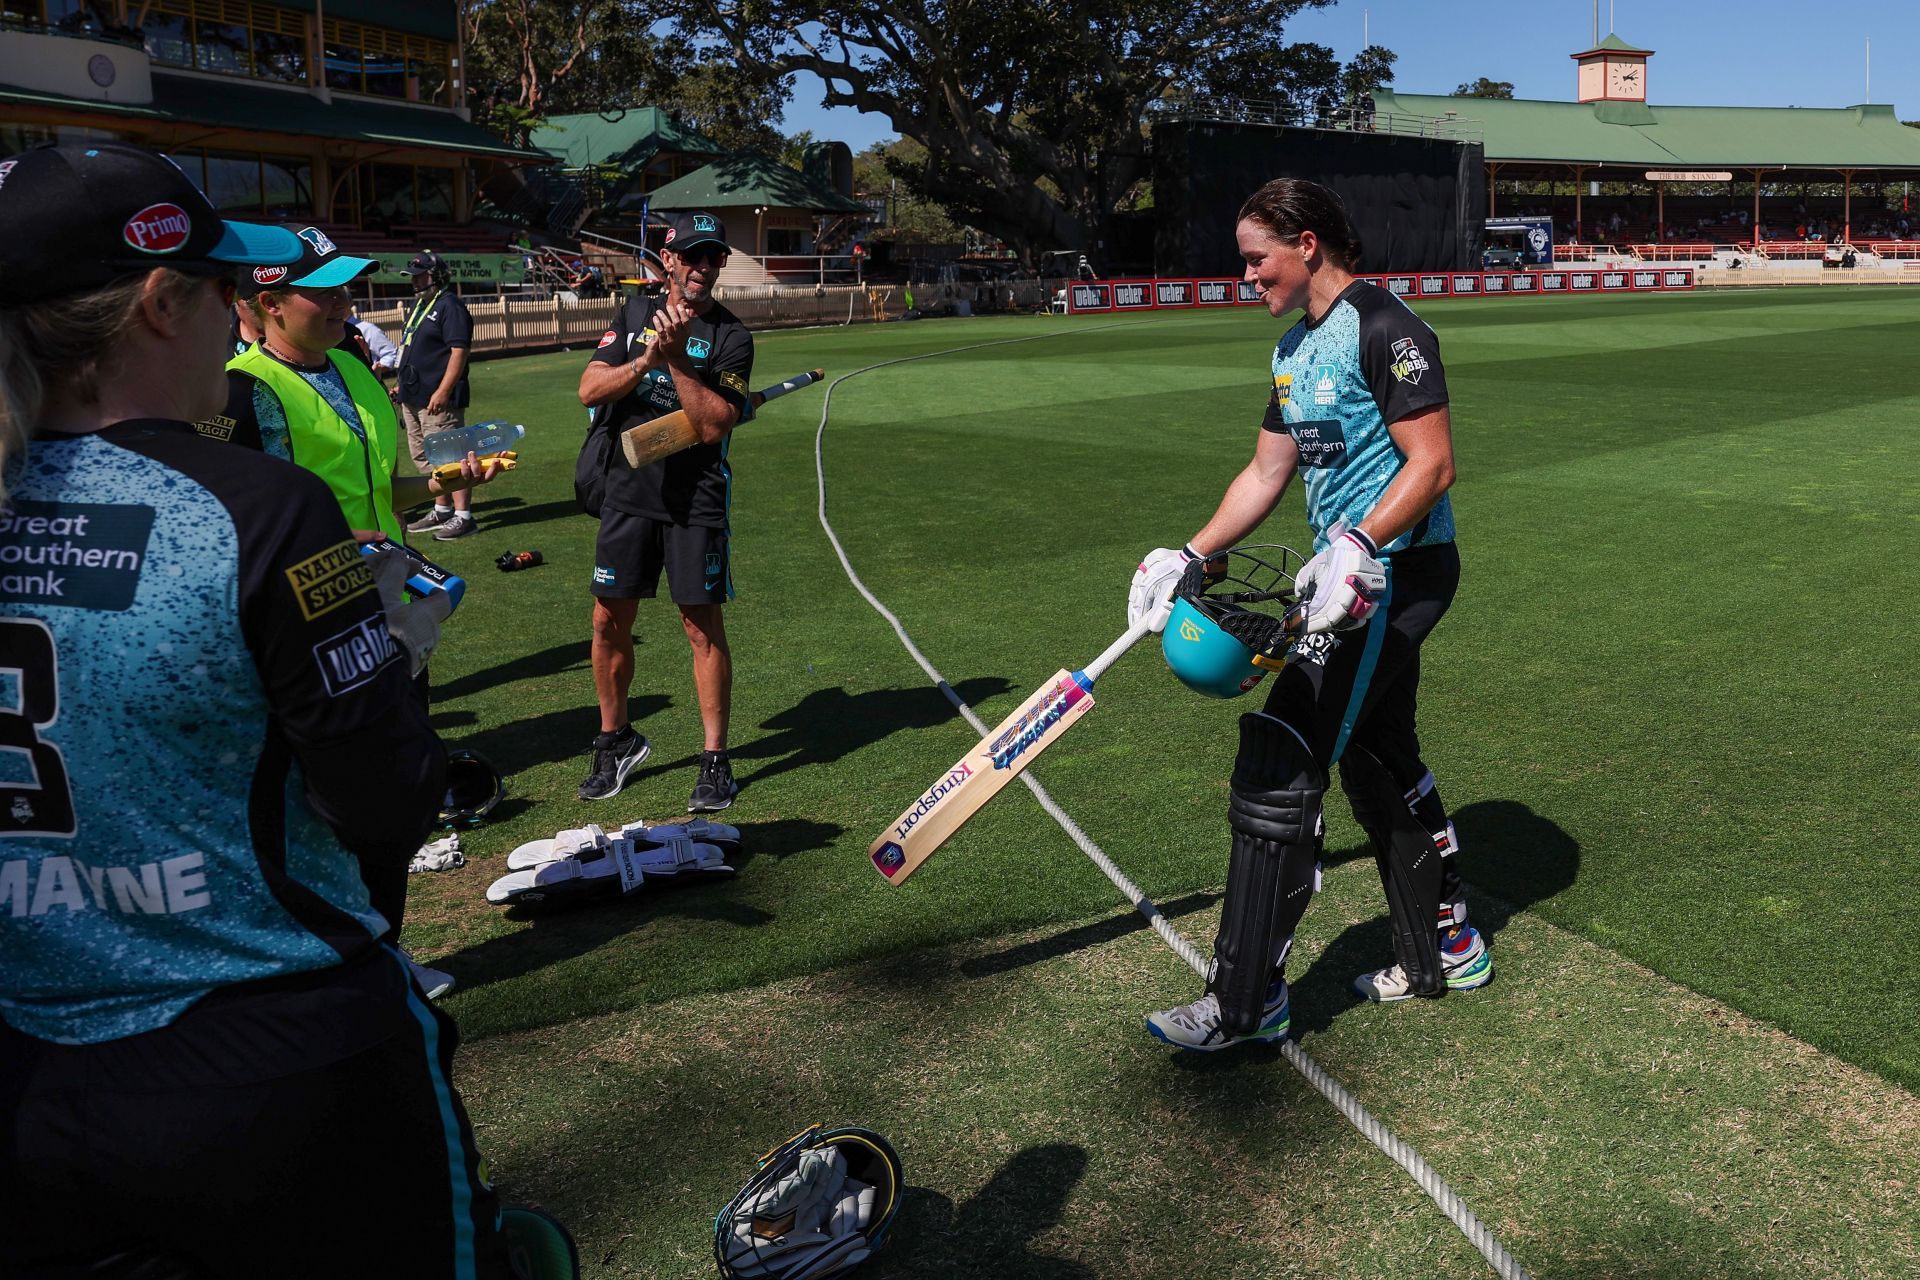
1322	443
1408	364
353	657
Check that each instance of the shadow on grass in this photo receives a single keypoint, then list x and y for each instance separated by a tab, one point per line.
992	1233
543	739
1518	856
830	723
508	513
1091	935
557	935
575	655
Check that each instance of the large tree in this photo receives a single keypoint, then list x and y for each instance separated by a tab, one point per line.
1033	113
530	59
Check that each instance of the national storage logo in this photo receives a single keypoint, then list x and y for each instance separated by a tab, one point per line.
324	582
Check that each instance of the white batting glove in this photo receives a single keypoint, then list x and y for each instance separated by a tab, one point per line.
413	624
1151	595
1342	585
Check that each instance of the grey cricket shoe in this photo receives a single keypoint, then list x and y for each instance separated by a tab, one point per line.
458	526
434	518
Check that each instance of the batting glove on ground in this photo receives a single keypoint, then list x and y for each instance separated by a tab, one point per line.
1151	595
1343	585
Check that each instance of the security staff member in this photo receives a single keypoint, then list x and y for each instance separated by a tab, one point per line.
681	351
432	386
194	1003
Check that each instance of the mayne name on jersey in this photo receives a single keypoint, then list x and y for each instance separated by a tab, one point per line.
167	887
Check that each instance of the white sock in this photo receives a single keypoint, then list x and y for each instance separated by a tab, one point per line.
440	510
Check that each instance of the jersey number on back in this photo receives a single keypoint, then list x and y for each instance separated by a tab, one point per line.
41	805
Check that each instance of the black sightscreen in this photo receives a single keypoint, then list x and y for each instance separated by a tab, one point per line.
1418	203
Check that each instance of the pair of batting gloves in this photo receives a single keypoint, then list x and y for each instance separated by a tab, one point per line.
1342	585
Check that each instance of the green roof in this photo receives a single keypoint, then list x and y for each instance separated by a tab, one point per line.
630	139
236	104
1612	44
751	178
1633	134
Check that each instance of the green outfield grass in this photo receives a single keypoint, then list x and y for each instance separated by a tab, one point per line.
1673	711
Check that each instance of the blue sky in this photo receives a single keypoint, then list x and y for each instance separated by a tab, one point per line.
1755	53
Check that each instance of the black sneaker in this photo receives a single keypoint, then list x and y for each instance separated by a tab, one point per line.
716	788
615	755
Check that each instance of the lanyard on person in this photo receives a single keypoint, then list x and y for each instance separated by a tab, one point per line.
421	307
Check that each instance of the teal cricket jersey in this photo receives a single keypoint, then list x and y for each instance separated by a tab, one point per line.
1337	384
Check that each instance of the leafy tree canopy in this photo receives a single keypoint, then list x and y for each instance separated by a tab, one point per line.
1032	114
1485	88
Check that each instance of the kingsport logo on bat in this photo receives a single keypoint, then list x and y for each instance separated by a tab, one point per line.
935	794
1033	726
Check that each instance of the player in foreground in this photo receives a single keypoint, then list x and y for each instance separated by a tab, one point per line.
681	351
1359	404
209	1065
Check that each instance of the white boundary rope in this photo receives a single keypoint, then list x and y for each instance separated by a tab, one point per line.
1397	1149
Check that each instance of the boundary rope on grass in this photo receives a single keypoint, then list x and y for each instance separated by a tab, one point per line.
1396	1148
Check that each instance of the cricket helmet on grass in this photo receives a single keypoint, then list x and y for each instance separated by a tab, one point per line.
1214	643
473	789
818	1205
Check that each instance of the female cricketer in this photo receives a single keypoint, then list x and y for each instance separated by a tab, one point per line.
209	1063
1359	408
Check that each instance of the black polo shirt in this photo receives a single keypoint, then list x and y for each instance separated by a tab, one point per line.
436	323
694	486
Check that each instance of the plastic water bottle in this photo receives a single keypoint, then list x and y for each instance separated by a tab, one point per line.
481	438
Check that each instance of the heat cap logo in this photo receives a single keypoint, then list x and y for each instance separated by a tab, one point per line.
158	228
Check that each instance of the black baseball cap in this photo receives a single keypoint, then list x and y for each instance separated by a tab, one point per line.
685	230
322	265
425	263
74	217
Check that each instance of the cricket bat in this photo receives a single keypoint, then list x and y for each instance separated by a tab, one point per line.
671	432
994	761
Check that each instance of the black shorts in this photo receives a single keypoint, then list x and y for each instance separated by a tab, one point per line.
1362	687
632	550
233	1144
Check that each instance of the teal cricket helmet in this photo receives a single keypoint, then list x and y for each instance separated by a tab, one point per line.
1206	659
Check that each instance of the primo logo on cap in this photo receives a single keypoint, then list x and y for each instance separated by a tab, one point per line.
158	228
269	275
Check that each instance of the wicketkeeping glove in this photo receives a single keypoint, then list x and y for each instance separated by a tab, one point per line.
1151	595
1343	584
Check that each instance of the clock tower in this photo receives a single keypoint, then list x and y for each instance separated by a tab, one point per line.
1613	71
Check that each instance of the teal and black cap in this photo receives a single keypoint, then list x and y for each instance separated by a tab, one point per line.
685	230
322	265
74	217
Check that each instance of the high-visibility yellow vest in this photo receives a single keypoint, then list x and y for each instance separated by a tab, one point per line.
360	472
